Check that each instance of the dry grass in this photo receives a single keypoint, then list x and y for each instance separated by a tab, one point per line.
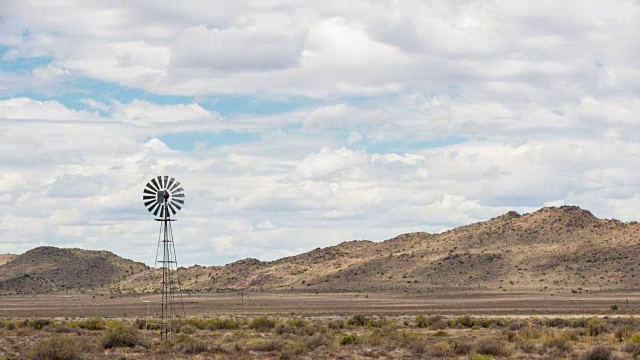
300	337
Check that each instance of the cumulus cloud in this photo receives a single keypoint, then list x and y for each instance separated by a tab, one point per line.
414	116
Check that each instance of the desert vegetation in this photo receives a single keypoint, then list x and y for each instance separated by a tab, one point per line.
356	336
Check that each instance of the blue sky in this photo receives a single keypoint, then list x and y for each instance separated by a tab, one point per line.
296	127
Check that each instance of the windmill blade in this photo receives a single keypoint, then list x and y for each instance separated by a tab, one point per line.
175	185
178	195
176	205
177	200
147	191
160	182
171	208
155	183
155	213
166	181
149	202
153	207
151	186
171	180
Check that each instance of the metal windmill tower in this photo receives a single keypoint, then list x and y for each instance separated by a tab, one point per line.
163	197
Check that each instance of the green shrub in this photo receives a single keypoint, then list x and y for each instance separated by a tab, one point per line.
262	323
95	323
595	326
467	321
38	324
120	334
56	348
349	339
481	357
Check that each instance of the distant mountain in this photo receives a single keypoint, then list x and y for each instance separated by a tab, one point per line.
555	248
49	269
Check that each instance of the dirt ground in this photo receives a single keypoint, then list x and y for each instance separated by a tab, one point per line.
323	304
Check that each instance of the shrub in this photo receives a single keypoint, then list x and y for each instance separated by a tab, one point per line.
267	346
556	345
595	326
120	335
336	324
493	346
441	333
614	307
526	346
440	349
357	320
624	332
193	346
38	324
481	357
56	348
297	322
598	353
557	322
632	348
315	341
516	325
461	348
348	339
635	338
467	321
95	323
262	323
218	324
186	329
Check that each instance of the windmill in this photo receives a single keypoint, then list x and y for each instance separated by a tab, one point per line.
243	292
163	197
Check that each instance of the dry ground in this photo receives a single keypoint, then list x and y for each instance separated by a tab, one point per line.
322	304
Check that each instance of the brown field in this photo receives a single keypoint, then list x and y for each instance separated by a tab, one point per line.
326	304
454	325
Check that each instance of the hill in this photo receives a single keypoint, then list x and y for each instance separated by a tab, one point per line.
555	249
49	269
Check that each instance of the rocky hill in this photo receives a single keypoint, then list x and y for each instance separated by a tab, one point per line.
49	269
556	249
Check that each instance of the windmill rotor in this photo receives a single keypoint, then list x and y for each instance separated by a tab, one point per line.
163	196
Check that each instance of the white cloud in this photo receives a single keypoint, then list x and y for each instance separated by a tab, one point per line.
425	116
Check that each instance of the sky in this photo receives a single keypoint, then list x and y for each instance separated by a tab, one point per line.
294	125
